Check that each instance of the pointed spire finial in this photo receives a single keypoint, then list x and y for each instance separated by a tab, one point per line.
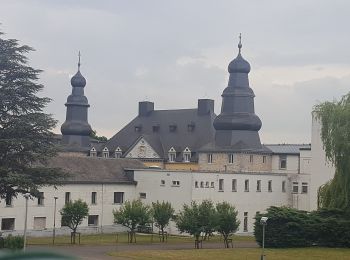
79	61
240	42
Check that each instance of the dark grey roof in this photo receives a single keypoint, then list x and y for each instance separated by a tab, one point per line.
287	148
95	170
163	139
239	147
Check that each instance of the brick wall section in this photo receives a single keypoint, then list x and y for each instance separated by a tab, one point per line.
241	162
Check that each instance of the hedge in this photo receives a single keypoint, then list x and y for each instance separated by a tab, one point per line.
287	227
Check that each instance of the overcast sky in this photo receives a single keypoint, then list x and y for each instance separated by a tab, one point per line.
174	52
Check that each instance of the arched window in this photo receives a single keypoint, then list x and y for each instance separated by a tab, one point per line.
172	154
105	153
186	155
118	152
93	152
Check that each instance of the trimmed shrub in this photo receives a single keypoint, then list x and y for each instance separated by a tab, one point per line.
14	242
287	227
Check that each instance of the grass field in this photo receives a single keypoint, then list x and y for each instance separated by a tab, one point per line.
239	254
107	239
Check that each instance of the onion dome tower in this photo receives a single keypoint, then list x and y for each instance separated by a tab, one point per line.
237	125
76	129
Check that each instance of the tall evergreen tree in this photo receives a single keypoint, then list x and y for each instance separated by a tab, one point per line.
26	140
335	134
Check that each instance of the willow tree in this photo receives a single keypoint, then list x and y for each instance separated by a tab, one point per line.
335	134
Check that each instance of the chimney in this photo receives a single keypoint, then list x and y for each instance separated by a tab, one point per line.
205	106
145	108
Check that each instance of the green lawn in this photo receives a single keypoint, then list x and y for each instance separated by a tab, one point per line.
105	239
239	254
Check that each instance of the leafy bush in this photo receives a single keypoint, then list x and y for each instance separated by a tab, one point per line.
288	227
14	242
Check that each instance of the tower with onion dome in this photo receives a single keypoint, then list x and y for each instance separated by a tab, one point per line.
76	130
237	125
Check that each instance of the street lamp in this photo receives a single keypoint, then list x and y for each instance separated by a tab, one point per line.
54	222
263	222
26	196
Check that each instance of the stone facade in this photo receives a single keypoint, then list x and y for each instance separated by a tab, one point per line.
242	162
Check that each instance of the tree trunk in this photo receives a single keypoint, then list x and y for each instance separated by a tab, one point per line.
162	228
225	241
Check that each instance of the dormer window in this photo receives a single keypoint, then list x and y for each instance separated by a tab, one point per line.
155	128
187	155
172	154
118	152
138	128
172	127
190	127
105	153
93	152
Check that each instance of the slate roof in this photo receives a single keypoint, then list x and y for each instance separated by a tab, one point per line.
163	139
95	170
287	148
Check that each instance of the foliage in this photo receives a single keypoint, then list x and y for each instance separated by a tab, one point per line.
131	215
162	214
335	134
13	242
227	222
96	137
207	218
73	214
26	140
288	227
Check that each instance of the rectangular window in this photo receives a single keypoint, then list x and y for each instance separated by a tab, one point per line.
210	157
118	155
258	185
283	161
67	197
162	182
93	220
251	158
221	184
187	157
264	159
143	195
39	223
230	158
295	188
93	197
8	224
234	185
304	187
269	186
212	185
245	222
41	199
283	186
176	183
207	184
8	200
172	157
196	184
246	185
202	184
118	197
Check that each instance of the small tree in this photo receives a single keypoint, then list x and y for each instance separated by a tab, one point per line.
207	218
162	213
227	222
132	214
73	214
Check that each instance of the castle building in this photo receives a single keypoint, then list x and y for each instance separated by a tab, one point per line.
179	156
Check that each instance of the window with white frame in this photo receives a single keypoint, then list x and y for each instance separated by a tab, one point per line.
118	198
93	152
105	153
258	185
196	184
245	222
269	186
93	197
172	154
187	155
212	185
118	152
221	184
234	185
207	184
304	187
264	159
143	195
246	185
41	199
162	182
251	158
295	187
176	183
283	186
8	200
202	184
230	158
283	161
210	157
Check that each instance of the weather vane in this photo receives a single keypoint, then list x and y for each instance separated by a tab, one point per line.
79	61
240	42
